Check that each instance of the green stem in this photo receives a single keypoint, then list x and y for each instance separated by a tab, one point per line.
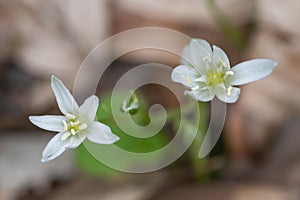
200	165
228	28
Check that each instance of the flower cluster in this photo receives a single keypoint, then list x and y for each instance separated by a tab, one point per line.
205	71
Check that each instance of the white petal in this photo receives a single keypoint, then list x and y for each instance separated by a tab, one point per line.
185	75
74	141
54	148
222	94
250	71
49	122
65	100
186	56
199	51
202	47
101	134
203	95
201	79
219	56
89	108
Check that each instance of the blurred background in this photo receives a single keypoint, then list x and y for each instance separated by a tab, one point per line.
260	146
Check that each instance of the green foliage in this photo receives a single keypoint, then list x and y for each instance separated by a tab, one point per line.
90	165
129	143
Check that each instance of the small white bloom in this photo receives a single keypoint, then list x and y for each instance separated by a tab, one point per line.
207	73
130	105
77	123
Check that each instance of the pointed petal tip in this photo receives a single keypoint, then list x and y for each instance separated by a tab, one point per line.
198	40
116	138
53	77
43	160
274	63
30	118
216	47
33	119
112	138
95	97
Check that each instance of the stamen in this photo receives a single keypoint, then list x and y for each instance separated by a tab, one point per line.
83	126
189	81
195	88
229	89
222	61
76	122
229	73
73	125
73	131
65	136
65	125
70	116
206	58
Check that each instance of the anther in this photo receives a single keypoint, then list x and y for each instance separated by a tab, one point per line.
229	73
195	88
70	116
73	131
76	122
65	125
65	136
83	126
207	58
187	78
222	61
229	91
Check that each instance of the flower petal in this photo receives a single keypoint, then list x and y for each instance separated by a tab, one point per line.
199	51
89	108
75	141
203	95
222	94
185	75
54	148
65	100
101	134
49	122
186	56
202	47
219	56
250	71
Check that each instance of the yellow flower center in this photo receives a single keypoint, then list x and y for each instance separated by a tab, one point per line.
214	78
72	126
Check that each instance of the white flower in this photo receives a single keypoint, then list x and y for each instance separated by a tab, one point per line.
206	72
77	123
